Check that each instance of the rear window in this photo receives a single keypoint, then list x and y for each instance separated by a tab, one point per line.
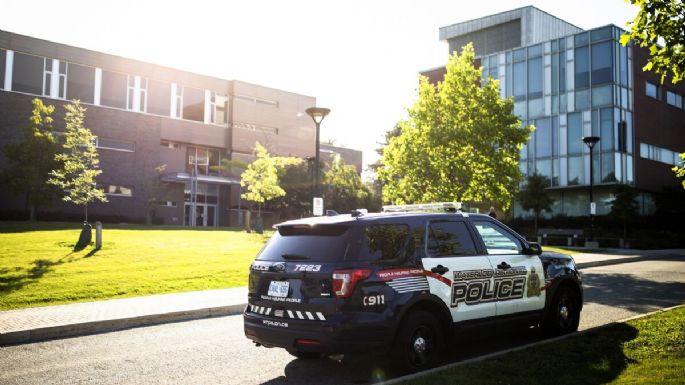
386	242
319	243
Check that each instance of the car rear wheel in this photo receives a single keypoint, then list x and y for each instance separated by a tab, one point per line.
564	314
419	344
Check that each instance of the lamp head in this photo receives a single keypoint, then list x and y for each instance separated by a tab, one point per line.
317	113
590	141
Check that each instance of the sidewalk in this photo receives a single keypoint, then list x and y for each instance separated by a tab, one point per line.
62	321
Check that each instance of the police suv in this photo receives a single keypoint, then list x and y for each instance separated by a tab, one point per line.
402	280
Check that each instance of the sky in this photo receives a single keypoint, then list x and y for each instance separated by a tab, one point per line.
359	58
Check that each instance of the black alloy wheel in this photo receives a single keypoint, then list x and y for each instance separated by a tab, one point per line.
564	313
419	344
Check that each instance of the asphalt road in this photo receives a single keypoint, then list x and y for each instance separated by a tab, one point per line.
214	351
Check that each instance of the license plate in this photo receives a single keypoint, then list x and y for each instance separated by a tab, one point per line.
279	288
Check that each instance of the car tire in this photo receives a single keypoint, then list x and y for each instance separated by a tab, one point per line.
419	343
305	355
563	315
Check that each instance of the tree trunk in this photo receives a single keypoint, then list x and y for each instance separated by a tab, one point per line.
86	212
537	214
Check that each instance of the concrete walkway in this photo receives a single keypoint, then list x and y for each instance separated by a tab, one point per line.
62	321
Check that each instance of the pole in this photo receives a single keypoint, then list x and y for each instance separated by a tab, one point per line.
316	162
592	216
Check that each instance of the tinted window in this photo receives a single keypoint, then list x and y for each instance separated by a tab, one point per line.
582	69
193	104
319	243
386	241
27	74
497	240
158	98
113	89
80	83
449	239
601	63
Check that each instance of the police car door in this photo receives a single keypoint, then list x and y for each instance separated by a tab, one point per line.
460	274
518	278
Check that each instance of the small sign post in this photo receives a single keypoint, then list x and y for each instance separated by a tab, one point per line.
593	208
318	206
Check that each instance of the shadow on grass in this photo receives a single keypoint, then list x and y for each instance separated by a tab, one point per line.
12	279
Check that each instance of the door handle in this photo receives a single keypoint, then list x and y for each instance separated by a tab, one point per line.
440	269
503	266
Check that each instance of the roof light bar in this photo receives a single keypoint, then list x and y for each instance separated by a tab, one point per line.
438	206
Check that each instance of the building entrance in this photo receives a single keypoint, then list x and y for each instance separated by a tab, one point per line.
205	215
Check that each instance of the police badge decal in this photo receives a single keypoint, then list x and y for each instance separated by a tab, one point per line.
533	283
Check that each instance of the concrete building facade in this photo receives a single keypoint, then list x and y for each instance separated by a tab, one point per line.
159	130
572	83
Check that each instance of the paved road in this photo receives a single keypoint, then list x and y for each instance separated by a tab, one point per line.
214	351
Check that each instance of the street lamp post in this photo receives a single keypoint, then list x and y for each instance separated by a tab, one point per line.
590	141
317	114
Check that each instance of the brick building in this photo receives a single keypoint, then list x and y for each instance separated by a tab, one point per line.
146	116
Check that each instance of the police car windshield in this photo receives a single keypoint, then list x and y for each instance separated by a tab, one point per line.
320	243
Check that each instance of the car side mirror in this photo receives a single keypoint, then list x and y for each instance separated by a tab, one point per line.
533	249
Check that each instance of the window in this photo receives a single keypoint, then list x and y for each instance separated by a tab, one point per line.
652	90
57	70
543	138
519	80
158	97
387	241
27	74
168	144
575	133
449	239
80	83
562	71
601	63
575	170
218	108
582	70
137	94
193	104
606	126
497	240
3	59
535	78
114	144
168	204
202	160
674	99
122	191
178	100
255	100
659	154
114	87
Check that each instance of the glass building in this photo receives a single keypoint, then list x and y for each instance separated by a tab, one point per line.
570	83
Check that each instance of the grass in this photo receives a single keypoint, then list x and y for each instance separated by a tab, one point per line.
648	350
560	250
39	267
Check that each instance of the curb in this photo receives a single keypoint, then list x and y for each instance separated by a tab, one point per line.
103	326
618	261
415	376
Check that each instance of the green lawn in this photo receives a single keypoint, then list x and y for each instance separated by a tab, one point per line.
559	250
649	350
38	266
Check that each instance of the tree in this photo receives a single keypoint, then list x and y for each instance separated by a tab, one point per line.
460	143
660	25
345	190
535	197
680	170
296	181
156	192
32	159
624	206
261	177
80	163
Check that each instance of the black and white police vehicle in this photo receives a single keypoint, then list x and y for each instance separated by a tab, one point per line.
402	280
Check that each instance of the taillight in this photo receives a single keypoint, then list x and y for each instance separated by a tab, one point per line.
344	281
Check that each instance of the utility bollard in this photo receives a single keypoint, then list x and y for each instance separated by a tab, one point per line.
98	235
